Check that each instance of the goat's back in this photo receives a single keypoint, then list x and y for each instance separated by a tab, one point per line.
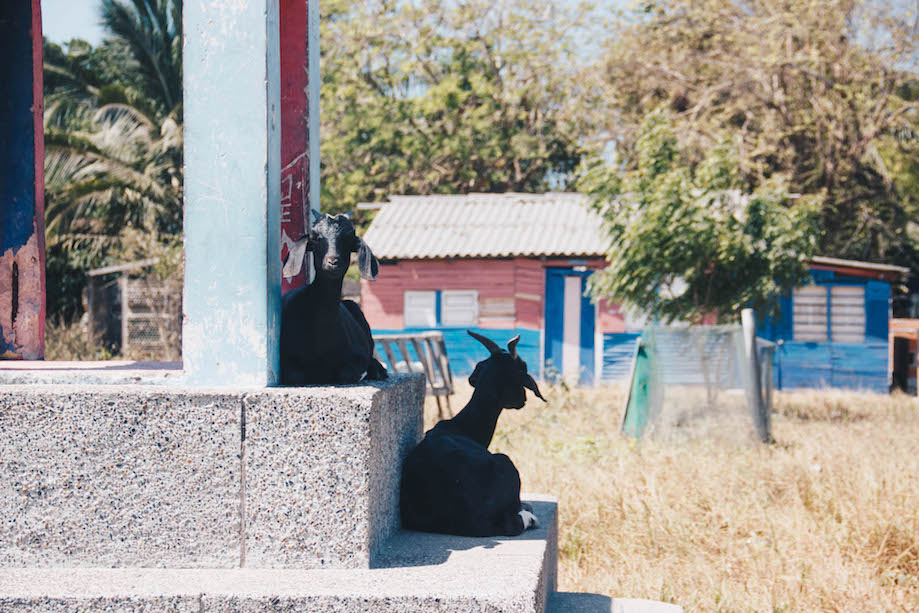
453	485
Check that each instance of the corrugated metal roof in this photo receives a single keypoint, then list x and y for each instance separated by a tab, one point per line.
900	270
486	225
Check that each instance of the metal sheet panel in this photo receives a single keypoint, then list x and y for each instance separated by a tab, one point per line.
487	225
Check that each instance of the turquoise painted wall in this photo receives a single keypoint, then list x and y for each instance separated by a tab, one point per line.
464	352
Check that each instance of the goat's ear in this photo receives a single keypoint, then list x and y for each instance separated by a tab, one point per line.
530	384
295	257
366	262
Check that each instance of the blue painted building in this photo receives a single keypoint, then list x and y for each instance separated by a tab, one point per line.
831	333
834	332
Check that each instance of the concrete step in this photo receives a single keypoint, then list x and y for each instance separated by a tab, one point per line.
570	602
413	572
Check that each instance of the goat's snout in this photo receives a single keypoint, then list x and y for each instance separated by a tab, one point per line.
331	260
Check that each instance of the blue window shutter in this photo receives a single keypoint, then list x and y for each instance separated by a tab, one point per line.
877	310
782	322
554	317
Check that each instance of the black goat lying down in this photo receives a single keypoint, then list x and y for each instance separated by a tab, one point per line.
324	339
451	483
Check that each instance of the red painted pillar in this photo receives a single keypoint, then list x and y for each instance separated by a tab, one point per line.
299	124
22	227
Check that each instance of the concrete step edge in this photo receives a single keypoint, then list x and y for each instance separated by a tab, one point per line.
415	573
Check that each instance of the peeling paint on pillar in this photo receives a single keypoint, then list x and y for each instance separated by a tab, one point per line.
22	228
232	192
299	124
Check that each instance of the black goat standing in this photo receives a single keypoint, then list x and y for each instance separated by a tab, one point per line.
451	483
324	339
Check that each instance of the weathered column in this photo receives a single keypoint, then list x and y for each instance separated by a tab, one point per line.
299	124
22	225
232	192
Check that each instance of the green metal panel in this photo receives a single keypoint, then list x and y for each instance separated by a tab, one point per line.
635	419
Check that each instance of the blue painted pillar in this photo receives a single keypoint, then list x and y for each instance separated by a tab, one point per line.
22	227
232	192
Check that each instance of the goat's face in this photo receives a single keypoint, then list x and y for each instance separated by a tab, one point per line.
505	370
332	242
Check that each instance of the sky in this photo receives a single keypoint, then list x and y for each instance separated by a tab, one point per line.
66	19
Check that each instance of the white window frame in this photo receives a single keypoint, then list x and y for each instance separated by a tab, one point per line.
459	315
419	301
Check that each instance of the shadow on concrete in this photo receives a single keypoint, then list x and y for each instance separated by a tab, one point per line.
570	602
579	603
408	548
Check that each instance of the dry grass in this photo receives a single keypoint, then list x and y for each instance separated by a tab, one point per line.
68	342
826	519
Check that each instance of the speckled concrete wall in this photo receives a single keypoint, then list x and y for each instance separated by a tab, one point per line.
141	476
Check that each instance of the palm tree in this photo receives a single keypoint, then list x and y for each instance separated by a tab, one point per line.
151	30
113	131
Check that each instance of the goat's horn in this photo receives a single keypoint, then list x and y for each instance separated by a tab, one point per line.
491	345
512	346
316	215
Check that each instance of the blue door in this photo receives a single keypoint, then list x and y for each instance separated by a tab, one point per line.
569	326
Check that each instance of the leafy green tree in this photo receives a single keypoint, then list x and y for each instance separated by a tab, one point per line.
818	92
687	242
448	97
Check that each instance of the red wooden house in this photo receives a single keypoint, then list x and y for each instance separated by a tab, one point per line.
501	264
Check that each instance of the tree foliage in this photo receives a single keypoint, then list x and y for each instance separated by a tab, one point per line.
438	96
687	242
817	92
113	144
